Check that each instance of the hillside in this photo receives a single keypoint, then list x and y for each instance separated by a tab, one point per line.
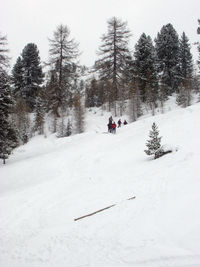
49	182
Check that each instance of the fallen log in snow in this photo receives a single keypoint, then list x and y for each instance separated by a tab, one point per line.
131	198
95	212
90	214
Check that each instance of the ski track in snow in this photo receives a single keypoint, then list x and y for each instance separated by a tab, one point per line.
48	183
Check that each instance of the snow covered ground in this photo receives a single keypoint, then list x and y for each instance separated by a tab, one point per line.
49	182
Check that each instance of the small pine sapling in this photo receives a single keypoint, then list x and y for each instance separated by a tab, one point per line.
154	143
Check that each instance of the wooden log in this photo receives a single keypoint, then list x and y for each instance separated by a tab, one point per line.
90	214
131	198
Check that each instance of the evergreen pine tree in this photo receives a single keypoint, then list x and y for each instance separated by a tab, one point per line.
168	58
8	135
186	63
32	74
21	107
145	68
198	29
18	78
154	143
198	32
186	70
4	59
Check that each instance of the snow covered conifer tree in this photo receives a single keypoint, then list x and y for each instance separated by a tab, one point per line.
198	29
186	66
198	32
145	68
154	143
32	74
168	58
21	108
17	78
8	135
4	59
186	63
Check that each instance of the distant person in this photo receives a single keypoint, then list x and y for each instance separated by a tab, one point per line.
119	123
125	122
114	127
110	127
110	124
110	120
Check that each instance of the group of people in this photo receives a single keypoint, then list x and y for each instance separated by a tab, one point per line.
112	125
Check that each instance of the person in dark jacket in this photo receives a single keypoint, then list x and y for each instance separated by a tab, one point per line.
110	127
110	120
125	122
119	123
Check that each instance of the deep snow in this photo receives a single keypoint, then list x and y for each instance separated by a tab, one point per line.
49	182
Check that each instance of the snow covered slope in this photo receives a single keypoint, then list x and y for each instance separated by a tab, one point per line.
49	182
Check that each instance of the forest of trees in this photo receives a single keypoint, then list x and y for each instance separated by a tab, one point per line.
136	79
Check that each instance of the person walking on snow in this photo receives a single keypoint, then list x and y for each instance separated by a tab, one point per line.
110	124
110	120
119	123
110	127
114	127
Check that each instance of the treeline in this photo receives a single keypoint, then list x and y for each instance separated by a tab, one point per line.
60	89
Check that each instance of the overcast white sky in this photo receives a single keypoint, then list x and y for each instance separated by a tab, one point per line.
33	21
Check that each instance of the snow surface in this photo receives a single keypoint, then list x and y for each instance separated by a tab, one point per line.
49	182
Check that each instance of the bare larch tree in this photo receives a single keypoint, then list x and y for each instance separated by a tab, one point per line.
114	54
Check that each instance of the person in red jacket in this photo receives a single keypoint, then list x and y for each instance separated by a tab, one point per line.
114	127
